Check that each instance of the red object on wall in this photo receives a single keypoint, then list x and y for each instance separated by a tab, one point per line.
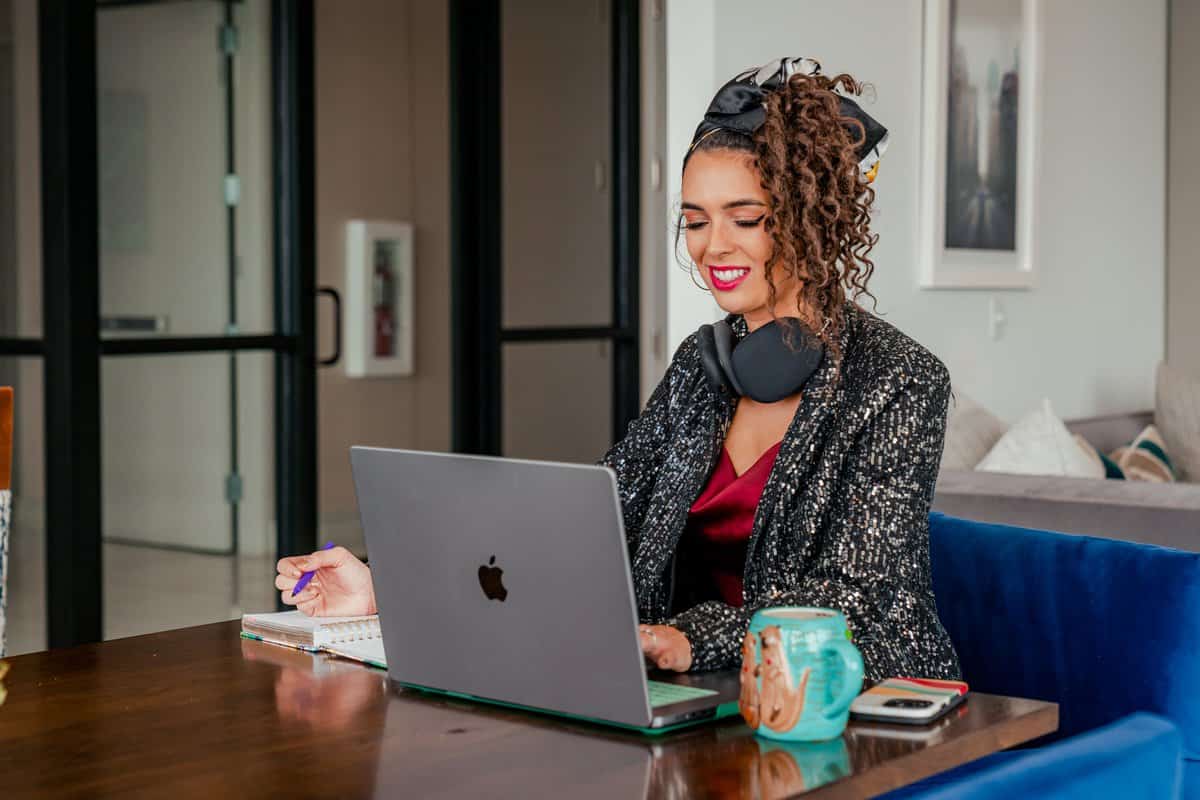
384	302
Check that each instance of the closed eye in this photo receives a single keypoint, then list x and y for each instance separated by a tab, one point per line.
741	223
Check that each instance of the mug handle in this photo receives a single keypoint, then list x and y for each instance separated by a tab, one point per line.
852	683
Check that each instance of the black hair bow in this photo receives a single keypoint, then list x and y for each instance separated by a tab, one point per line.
738	106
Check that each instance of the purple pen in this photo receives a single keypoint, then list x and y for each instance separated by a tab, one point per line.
306	577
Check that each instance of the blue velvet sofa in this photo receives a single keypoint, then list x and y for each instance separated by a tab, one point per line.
1104	628
1136	758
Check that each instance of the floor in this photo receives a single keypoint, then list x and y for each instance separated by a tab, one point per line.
145	589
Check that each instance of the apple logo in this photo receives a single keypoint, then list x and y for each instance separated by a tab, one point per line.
491	581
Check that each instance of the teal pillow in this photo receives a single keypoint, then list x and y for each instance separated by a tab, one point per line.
1143	459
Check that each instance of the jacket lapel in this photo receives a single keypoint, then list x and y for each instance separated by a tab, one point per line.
694	446
798	453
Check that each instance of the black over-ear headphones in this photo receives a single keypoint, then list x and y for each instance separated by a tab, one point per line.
761	366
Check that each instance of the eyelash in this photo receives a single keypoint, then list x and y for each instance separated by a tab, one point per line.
741	223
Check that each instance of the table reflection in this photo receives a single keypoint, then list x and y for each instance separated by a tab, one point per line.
750	766
720	760
323	693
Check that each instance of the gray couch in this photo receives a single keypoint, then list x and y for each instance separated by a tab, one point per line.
1153	513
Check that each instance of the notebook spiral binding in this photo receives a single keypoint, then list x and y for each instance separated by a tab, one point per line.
353	631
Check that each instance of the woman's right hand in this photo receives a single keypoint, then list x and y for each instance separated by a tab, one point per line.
342	586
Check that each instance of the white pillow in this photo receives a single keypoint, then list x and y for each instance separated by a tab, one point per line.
1040	444
971	431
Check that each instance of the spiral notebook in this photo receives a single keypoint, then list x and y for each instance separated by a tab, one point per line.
358	638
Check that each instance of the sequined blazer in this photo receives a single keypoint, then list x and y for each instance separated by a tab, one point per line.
843	521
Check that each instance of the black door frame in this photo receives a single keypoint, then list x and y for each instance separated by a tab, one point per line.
476	225
71	346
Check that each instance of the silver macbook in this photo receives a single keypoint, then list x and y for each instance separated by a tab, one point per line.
508	581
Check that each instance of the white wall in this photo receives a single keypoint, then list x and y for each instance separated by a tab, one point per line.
692	78
1183	198
653	276
1090	334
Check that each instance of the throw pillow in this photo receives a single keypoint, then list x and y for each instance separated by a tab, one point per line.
971	431
1111	468
1146	458
1177	414
1040	444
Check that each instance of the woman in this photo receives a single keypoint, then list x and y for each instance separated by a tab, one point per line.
792	467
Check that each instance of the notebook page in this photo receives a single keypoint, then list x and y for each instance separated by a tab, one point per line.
298	629
352	630
368	651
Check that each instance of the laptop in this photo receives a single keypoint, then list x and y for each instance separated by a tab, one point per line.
507	581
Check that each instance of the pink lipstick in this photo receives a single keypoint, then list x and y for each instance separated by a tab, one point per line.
726	278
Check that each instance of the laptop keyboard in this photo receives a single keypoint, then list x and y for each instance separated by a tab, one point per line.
663	694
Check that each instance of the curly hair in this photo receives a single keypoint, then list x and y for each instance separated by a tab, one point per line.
806	154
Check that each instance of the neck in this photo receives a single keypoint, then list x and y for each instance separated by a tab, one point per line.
756	319
784	307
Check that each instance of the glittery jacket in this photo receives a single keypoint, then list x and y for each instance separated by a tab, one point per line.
843	519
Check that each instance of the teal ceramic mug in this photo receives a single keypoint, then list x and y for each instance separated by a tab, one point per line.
799	674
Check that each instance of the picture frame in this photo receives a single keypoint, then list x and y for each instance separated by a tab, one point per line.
378	322
978	164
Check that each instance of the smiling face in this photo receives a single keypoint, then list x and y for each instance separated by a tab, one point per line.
725	209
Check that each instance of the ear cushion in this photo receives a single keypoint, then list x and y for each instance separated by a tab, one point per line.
708	358
723	339
769	369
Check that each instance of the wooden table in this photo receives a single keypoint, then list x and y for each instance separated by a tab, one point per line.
200	712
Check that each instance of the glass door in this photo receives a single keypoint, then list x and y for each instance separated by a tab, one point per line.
23	582
184	150
186	259
177	340
546	216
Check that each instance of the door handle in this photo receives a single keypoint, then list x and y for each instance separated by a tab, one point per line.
333	295
145	323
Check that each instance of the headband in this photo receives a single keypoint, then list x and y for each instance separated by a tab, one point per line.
739	106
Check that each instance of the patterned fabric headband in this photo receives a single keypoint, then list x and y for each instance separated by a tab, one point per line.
738	106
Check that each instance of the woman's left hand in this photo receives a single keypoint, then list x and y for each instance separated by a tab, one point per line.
666	647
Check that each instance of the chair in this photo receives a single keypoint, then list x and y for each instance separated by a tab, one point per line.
6	444
1105	628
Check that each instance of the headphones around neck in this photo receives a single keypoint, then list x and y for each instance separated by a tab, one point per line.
761	366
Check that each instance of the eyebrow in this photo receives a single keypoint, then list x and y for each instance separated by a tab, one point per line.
746	201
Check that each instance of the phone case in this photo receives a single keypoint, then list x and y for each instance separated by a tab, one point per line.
911	701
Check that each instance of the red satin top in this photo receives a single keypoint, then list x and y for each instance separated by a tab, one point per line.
722	518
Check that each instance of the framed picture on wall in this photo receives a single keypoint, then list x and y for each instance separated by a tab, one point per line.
979	148
378	323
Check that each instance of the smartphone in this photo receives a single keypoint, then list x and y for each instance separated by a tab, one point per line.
909	701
